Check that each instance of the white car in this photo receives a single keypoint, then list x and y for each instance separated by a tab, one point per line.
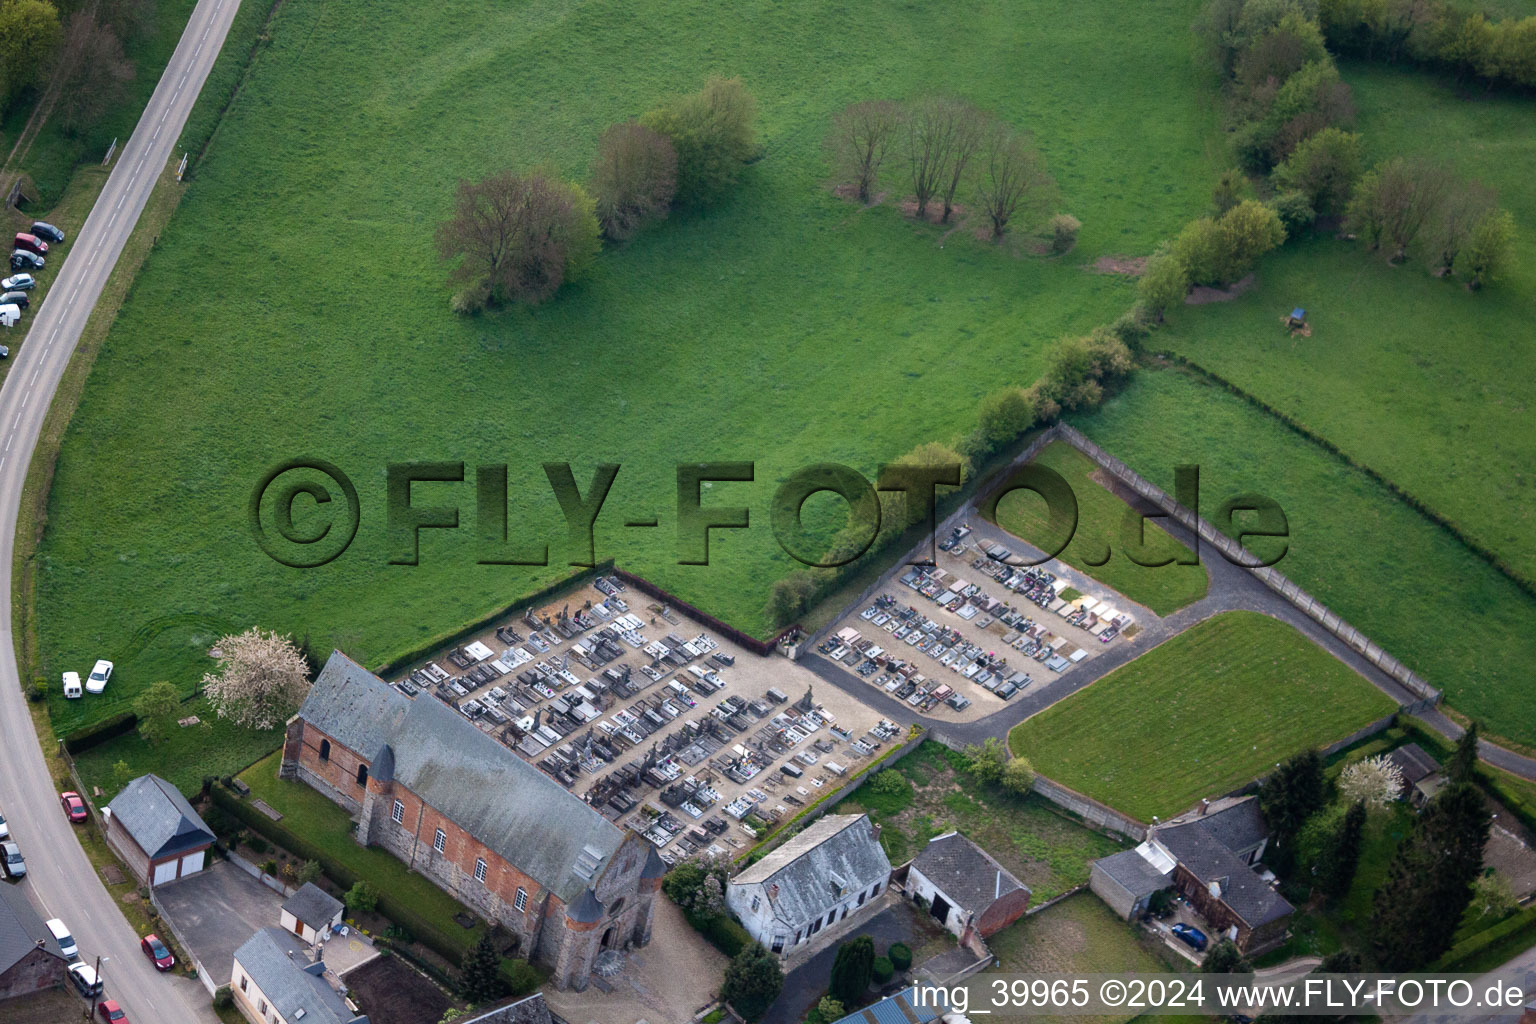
65	940
71	684
97	681
5	830
18	283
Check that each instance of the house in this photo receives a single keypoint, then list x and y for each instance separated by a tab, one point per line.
818	877
964	888
457	805
310	913
1213	854
1127	880
1422	777
528	1010
276	982
30	958
915	1005
156	832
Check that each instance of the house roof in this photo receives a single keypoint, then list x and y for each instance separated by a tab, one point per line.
1415	764
478	783
1203	854
21	929
528	1010
838	854
965	873
158	817
901	1008
1134	873
313	906
1239	826
279	965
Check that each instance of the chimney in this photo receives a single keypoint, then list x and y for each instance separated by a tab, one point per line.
1205	805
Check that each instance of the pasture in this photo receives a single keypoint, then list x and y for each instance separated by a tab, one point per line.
295	307
1198	716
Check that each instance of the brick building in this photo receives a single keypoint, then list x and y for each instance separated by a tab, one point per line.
156	832
488	827
965	889
30	958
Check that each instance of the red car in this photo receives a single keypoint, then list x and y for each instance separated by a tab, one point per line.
74	807
110	1011
31	243
156	951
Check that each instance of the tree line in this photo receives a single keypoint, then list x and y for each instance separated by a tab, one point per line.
82	43
517	237
1433	33
945	152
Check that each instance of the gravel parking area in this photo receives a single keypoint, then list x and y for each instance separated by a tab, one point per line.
663	725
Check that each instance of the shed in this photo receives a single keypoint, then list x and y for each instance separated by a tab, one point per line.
964	887
1126	880
156	831
311	913
30	958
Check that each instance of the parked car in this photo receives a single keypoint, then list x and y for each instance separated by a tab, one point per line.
100	673
65	940
10	315
16	298
111	1012
23	260
156	951
71	685
1192	937
74	807
11	859
43	229
31	243
5	830
85	979
18	283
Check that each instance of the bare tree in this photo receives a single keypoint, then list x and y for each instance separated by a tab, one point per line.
633	177
861	135
968	131
261	679
1464	206
928	140
1396	200
1012	176
517	237
95	72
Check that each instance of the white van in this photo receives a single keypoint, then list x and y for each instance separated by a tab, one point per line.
65	940
71	684
10	315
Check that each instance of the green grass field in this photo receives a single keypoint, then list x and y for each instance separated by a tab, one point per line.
1428	384
295	307
183	758
1220	704
1101	517
1386	569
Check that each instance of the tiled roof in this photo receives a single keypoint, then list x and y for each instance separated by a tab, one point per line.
158	817
313	906
1209	860
965	872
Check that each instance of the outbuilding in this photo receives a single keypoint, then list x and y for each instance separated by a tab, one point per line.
156	831
30	958
311	913
964	888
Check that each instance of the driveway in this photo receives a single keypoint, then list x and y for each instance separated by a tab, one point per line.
216	911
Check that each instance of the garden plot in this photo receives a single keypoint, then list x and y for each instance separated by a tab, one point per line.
684	736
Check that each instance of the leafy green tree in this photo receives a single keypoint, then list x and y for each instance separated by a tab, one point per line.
1490	249
1294	210
852	970
1200	249
900	954
1225	958
1164	282
1291	795
1248	230
753	980
1005	415
1336	869
1231	189
830	1009
1324	168
29	38
480	973
883	970
122	774
712	131
1462	766
1395	200
309	872
987	759
633	178
1429	883
1464	207
1064	229
1019	775
890	782
1344	961
362	898
790	596
155	708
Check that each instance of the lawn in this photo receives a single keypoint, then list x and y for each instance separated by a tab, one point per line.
1387	570
308	814
1222	702
1101	518
1078	936
212	747
1044	849
1428	384
295	306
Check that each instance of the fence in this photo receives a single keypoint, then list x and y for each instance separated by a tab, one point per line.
186	950
1239	555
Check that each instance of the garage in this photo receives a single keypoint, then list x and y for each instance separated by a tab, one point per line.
192	863
156	831
165	872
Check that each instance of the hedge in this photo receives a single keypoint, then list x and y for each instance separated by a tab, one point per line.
883	970
1506	938
900	954
450	947
88	736
521	976
722	931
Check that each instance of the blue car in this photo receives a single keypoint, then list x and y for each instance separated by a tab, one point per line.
1194	938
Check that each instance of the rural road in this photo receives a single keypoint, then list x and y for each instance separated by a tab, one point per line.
60	878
